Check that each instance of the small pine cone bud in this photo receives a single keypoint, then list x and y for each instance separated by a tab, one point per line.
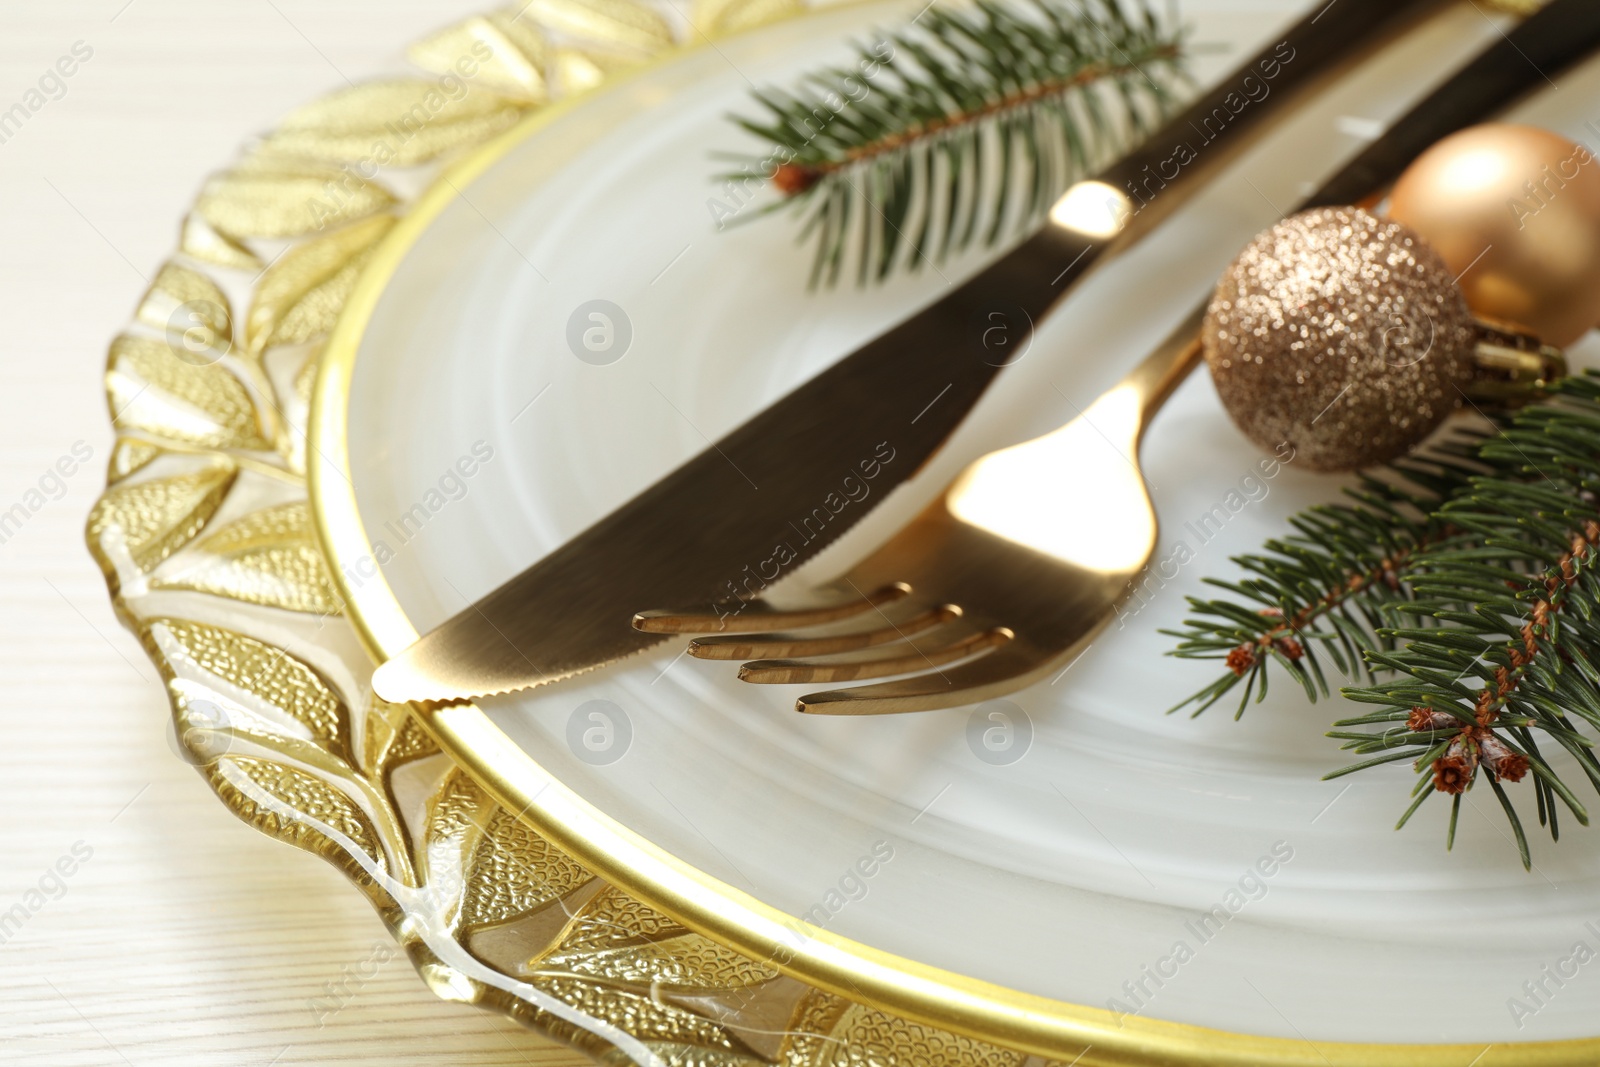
792	179
1512	768
1290	647
1241	659
1424	719
1452	772
1501	761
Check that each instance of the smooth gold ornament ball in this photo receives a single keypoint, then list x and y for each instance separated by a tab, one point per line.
1341	334
1515	213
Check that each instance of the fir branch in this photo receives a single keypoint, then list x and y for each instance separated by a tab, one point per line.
1513	649
963	127
1327	589
1468	585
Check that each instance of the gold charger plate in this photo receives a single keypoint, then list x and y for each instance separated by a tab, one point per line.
206	536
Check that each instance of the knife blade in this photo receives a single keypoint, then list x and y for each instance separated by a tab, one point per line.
762	499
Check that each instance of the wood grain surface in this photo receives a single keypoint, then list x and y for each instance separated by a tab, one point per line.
184	937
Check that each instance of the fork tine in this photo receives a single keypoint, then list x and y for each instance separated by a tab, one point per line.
757	616
903	659
750	646
1004	670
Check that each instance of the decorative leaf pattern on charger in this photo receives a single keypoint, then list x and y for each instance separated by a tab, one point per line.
205	538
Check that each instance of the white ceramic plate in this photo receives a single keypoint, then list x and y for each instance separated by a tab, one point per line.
1073	863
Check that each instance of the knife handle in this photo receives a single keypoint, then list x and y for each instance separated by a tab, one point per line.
1546	44
1137	192
1219	125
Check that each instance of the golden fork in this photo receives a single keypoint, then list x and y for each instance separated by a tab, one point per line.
1004	581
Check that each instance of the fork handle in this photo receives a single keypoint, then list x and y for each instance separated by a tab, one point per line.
1160	373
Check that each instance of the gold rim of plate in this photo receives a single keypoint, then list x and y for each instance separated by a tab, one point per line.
226	564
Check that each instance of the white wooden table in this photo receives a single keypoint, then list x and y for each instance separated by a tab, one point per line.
185	937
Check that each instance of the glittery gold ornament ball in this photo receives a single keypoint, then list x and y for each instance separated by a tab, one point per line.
1341	334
